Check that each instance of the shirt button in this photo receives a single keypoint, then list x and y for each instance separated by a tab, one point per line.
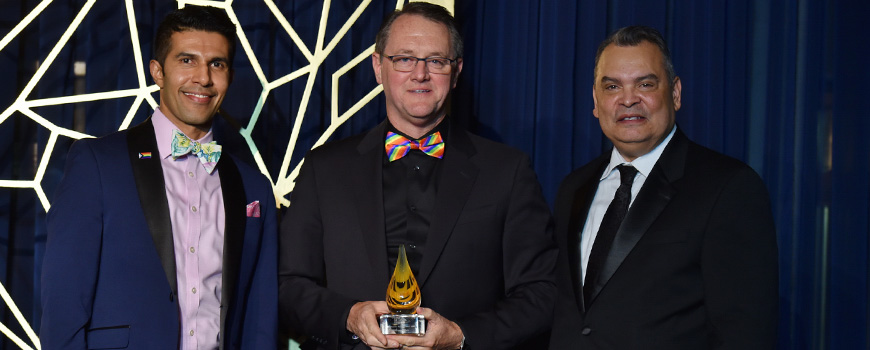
192	250
190	173
586	331
191	332
417	168
193	290
413	208
193	208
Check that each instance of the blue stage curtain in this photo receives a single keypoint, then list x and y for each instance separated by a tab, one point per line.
847	292
777	84
772	83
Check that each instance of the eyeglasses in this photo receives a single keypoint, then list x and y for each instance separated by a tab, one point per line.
435	65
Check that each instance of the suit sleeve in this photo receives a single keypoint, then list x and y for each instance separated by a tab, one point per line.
529	261
739	266
262	317
306	305
72	252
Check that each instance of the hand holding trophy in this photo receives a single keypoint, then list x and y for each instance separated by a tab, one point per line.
403	298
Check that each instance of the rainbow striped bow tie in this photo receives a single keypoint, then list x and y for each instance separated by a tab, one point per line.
398	146
208	153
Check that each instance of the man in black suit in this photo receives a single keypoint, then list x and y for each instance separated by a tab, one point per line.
664	244
469	211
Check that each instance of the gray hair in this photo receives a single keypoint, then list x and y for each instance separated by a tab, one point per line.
432	12
633	36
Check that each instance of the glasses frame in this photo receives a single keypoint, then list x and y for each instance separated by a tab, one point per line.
424	59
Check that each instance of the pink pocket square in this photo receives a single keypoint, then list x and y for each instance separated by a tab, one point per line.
254	209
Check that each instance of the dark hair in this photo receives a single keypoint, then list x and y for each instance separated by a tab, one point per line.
191	17
432	12
633	36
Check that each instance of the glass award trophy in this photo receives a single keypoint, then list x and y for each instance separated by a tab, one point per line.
403	298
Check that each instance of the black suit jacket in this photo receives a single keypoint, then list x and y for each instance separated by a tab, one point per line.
693	266
488	261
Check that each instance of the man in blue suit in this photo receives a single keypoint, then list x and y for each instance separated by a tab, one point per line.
155	241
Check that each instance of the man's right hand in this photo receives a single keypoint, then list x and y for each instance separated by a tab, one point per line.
363	321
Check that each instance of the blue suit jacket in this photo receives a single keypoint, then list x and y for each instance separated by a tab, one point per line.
109	280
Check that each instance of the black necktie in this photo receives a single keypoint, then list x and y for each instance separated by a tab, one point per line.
609	225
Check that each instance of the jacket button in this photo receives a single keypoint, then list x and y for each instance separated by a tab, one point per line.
586	331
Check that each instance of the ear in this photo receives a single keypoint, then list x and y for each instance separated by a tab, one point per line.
594	102
376	65
456	73
678	88
156	72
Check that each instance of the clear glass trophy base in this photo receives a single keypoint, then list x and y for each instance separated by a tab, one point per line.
403	324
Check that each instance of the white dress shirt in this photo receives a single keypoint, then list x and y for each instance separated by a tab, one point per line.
607	186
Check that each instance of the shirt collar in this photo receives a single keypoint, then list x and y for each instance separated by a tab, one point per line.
163	132
644	163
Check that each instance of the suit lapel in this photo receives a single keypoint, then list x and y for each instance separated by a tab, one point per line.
657	191
234	230
580	204
369	200
148	175
457	177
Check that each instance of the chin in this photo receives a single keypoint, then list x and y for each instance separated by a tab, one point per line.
423	115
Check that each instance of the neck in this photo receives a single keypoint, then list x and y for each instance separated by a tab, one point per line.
415	130
632	151
194	132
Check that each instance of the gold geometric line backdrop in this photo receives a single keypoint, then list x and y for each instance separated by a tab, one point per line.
144	93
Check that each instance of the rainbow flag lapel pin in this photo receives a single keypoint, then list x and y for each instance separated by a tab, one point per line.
144	155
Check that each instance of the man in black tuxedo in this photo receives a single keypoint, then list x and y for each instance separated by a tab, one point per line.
469	211
664	244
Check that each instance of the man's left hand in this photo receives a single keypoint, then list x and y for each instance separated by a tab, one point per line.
441	334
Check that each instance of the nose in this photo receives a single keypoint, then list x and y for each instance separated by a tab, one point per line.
202	75
420	72
629	97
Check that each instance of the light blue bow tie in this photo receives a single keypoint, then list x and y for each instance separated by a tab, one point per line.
208	153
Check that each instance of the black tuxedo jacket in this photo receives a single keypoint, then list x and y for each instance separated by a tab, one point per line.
693	266
487	265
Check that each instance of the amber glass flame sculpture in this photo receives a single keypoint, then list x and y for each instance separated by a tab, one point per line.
403	298
403	293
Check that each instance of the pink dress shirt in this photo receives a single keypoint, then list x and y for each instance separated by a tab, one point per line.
196	208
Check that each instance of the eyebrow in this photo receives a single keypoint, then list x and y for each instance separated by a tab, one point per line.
214	59
651	76
606	79
411	53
